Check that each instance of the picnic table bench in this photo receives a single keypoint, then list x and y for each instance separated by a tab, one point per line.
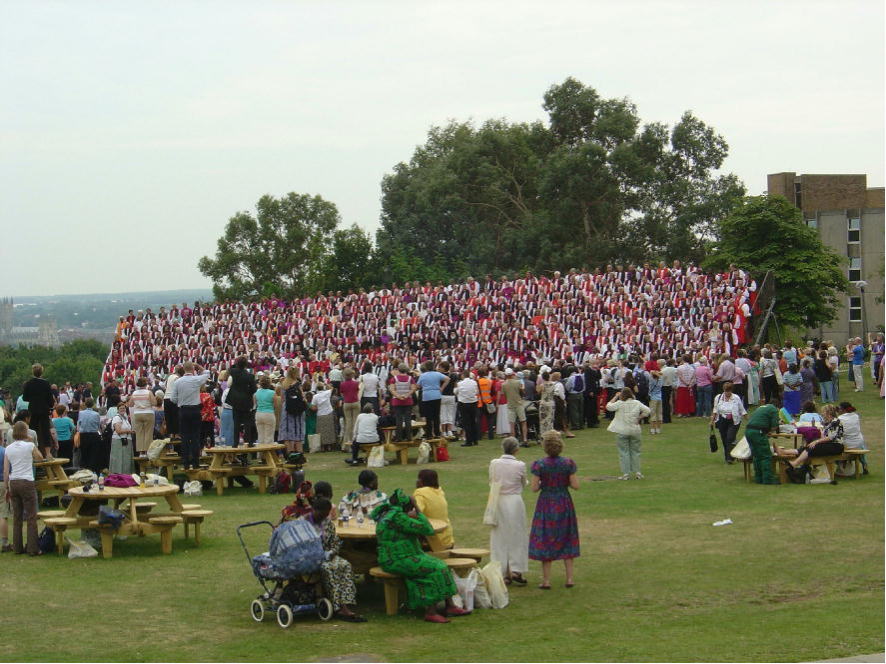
56	478
224	464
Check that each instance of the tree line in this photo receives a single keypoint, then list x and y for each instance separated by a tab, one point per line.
79	361
591	186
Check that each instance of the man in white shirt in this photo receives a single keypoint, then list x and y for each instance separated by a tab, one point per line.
170	407
187	397
467	392
18	478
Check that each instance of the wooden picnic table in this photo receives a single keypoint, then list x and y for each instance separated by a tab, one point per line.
132	525
224	464
359	545
56	479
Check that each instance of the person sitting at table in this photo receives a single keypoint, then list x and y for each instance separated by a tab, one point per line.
323	489
336	572
428	580
300	505
368	496
852	437
365	431
829	444
431	501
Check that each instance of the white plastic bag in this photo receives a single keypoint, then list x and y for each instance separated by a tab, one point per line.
481	596
156	480
466	586
84	476
314	444
424	452
490	516
80	549
495	585
155	449
193	488
742	449
376	457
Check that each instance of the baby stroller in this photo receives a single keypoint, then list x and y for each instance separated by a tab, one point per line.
292	567
533	423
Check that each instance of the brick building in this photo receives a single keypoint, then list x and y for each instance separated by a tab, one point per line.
849	218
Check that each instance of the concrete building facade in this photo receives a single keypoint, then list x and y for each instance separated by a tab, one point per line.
850	220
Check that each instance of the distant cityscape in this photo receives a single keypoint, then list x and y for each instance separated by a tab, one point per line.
51	320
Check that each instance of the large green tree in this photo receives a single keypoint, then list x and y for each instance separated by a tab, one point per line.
282	249
591	185
767	233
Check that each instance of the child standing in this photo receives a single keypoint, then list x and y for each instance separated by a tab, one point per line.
655	416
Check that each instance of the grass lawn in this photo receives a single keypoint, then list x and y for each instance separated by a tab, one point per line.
797	577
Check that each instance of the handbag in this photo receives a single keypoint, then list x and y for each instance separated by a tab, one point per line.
712	440
314	442
491	408
490	516
742	449
779	378
376	457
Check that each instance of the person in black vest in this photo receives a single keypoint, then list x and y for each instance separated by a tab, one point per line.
592	390
38	393
240	399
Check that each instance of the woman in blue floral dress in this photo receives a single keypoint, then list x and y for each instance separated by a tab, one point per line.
554	534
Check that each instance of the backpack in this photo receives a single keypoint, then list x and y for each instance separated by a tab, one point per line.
46	541
295	402
643	382
282	483
578	383
107	434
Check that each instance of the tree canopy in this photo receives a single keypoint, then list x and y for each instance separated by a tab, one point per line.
78	361
590	186
767	233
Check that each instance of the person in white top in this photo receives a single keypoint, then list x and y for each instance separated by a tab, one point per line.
728	413
141	406
321	403
121	442
369	389
626	426
365	431
467	392
852	436
18	478
508	538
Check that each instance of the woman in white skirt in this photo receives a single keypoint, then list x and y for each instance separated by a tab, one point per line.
502	424
509	539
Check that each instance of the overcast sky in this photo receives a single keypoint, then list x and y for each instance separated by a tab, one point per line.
131	131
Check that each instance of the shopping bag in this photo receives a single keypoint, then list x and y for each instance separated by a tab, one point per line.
155	449
376	457
442	453
314	442
490	516
80	549
742	449
712	440
481	595
424	452
466	586
193	488
495	585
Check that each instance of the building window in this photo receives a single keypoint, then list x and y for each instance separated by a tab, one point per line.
855	309
854	269
812	223
854	230
798	195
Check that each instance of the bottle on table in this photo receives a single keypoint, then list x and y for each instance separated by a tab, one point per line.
101	482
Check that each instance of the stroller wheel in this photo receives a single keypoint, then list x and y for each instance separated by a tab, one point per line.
324	608
284	616
257	610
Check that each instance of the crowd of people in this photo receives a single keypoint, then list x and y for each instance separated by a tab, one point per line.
577	316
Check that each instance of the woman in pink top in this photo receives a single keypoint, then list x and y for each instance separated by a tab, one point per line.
704	389
684	404
349	389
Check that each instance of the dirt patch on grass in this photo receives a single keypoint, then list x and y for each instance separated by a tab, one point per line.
353	657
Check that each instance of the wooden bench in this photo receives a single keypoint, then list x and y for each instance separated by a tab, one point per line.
195	518
164	525
191	506
460	565
778	464
143	507
435	443
49	514
59	525
402	449
393	584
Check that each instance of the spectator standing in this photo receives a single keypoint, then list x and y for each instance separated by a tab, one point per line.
88	437
170	407
64	430
575	397
727	415
431	382
592	378
824	376
877	353
626	426
369	384
685	403
402	389
349	389
21	491
512	389
467	393
855	351
188	399
121	442
141	406
242	388
668	385
554	533
655	412
38	395
703	388
264	401
508	539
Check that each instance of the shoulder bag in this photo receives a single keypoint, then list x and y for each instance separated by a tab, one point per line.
490	516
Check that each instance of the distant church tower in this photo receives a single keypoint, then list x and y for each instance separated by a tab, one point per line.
47	332
6	320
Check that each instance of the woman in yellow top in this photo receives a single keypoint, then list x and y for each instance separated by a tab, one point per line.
431	501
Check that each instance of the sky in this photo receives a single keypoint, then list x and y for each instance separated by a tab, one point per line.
130	132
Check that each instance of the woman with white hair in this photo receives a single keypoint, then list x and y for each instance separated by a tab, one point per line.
508	539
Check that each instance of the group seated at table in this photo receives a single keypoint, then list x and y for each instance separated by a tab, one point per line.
366	498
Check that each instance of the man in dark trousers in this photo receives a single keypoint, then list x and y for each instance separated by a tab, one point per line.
38	393
240	400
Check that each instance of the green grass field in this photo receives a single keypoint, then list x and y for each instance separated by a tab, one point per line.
797	577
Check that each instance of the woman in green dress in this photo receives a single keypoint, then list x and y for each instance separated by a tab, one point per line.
398	526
